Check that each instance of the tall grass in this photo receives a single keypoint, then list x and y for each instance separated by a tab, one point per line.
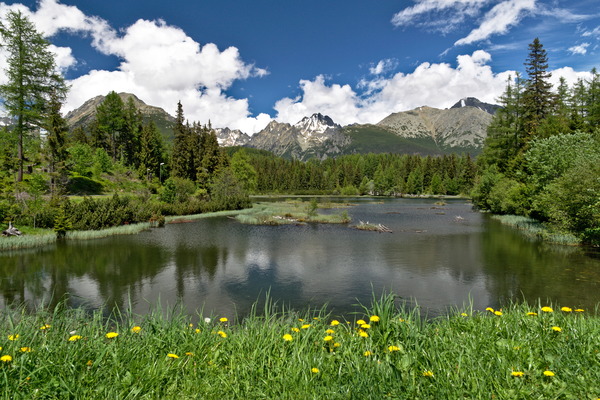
536	229
392	353
26	241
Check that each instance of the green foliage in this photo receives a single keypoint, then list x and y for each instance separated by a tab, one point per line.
227	194
177	190
82	185
243	171
62	223
81	159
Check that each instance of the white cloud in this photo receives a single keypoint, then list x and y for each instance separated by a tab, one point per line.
383	66
498	20
439	15
593	32
579	49
571	76
159	63
435	85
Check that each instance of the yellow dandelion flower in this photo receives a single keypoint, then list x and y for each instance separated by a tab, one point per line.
191	325
566	309
328	338
336	344
490	309
335	322
393	348
189	354
556	328
316	318
464	314
305	326
136	329
365	326
363	334
111	335
315	370
428	374
223	319
89	363
360	322
197	330
6	358
222	334
548	373
517	373
171	355
74	338
13	337
287	337
329	331
301	319
498	313
26	349
402	320
294	329
579	310
547	309
374	318
367	353
532	314
45	326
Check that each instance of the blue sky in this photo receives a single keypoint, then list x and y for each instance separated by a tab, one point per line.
243	63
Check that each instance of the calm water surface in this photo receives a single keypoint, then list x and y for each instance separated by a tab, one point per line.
436	257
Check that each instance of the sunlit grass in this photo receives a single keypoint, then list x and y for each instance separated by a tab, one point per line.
536	229
292	212
521	352
26	241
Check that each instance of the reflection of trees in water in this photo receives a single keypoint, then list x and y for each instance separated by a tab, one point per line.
521	269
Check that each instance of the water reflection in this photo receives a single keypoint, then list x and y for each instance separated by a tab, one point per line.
438	256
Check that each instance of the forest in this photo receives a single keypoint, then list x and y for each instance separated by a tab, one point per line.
540	159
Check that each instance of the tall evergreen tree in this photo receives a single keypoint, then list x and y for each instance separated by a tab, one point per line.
32	78
57	154
151	150
129	141
181	157
538	99
110	117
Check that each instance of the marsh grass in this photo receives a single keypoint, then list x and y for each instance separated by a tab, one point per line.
466	354
536	229
26	241
292	212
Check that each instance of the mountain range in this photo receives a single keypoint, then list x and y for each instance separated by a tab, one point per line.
424	130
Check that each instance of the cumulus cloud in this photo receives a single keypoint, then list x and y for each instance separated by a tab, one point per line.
160	63
579	49
436	85
383	66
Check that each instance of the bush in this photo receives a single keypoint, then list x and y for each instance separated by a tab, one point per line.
82	185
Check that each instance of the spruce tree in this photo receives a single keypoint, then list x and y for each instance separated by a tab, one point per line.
538	99
180	158
110	118
56	153
32	79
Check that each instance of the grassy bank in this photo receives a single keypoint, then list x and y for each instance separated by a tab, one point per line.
535	229
521	352
294	212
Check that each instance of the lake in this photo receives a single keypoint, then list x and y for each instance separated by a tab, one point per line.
438	256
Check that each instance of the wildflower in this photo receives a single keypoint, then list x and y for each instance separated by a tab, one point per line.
464	314
363	334
294	329
498	313
222	334
566	309
374	318
402	320
287	337
171	355
336	344
13	337
74	338
45	326
6	358
365	326
191	325
89	363
517	373
579	310
316	318
136	329
197	330
367	353
26	349
490	309
329	331
335	322
328	338
189	354
393	348
360	322
300	319
556	328
532	314
428	374
548	373
111	335
315	370
305	326
207	320
547	309
223	319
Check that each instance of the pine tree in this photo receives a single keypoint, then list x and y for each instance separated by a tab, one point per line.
32	78
110	117
180	159
129	141
538	99
57	154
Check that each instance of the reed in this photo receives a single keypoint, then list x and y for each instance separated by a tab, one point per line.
26	241
536	229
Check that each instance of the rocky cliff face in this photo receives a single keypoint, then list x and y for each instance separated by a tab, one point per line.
231	137
455	127
473	102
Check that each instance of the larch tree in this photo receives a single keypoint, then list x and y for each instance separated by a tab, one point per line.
32	79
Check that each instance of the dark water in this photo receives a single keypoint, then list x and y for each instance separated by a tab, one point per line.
436	257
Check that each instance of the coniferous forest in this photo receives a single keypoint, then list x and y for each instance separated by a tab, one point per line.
540	159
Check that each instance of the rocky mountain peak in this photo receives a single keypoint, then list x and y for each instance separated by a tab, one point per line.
474	102
316	123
